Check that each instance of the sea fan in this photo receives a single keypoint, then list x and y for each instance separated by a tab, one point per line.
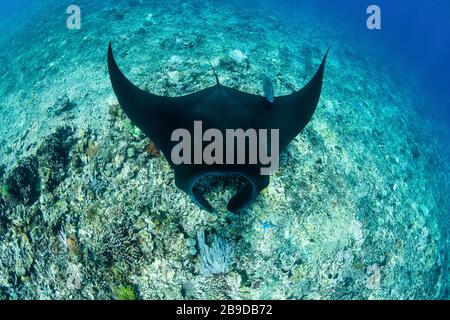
214	259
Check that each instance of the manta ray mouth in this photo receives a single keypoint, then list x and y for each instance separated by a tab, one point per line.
216	185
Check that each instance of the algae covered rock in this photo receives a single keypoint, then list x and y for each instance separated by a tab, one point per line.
23	183
53	157
124	292
62	105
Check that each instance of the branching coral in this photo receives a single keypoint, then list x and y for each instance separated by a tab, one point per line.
119	244
238	56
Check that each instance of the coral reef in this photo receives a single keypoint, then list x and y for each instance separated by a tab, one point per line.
89	209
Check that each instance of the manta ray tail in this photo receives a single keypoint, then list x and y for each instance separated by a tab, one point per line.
214	72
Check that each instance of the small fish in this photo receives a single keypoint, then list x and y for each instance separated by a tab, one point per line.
268	88
266	226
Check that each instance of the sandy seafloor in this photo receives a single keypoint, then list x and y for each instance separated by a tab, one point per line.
358	210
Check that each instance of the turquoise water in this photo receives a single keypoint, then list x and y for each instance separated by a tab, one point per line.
89	209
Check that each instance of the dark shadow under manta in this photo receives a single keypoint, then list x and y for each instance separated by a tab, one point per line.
222	108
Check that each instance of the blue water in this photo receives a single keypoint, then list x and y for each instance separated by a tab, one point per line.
415	34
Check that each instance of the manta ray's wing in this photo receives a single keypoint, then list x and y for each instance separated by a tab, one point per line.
156	116
294	111
290	114
144	109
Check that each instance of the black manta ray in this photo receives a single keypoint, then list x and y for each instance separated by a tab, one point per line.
222	108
